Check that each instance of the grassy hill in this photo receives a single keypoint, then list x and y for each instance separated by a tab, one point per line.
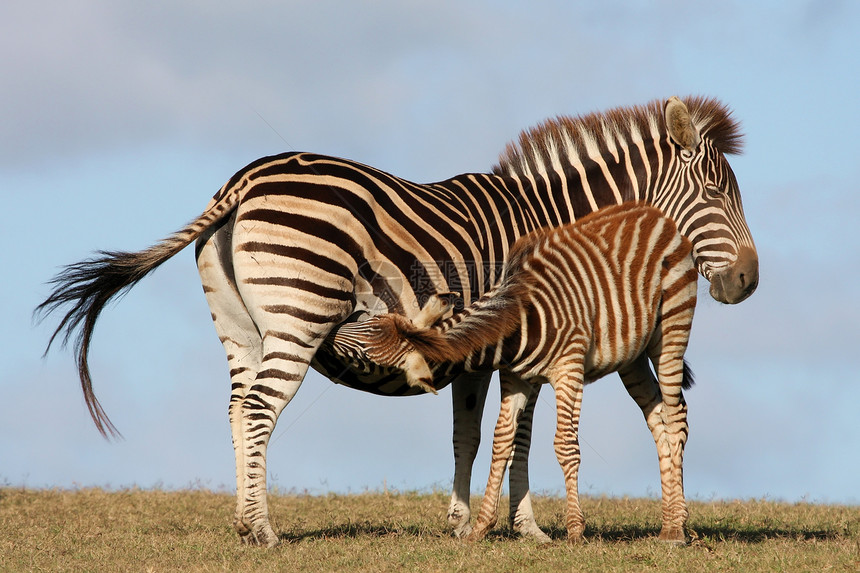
146	530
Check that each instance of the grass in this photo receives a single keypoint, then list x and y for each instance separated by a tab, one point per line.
146	530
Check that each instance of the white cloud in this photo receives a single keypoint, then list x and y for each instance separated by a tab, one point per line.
103	74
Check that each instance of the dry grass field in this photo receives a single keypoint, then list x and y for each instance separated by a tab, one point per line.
146	530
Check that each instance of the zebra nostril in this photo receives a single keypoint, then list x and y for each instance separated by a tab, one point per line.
752	284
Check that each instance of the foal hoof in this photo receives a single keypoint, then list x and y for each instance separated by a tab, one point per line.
575	538
477	534
575	532
673	535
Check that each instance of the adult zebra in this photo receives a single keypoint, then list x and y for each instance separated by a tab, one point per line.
607	293
296	244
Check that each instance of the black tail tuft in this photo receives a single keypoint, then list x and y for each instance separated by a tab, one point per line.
688	380
86	288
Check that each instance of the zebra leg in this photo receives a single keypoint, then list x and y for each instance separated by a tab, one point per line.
289	343
242	344
291	337
468	394
514	392
568	385
269	346
522	515
669	429
284	364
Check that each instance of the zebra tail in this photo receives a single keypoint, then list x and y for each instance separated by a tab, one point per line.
87	286
688	380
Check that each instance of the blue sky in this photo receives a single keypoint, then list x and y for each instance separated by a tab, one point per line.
120	119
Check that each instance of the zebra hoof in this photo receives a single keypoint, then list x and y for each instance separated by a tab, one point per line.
262	537
463	531
459	518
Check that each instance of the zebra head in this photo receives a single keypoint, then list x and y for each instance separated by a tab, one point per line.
702	196
670	154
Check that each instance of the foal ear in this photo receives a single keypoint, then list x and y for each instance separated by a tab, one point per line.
679	125
448	298
435	308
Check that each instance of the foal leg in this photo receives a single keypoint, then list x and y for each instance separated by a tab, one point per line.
568	385
670	448
513	392
666	350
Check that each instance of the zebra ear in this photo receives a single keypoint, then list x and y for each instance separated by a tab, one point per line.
679	125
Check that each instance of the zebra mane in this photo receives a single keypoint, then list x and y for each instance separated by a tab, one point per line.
562	141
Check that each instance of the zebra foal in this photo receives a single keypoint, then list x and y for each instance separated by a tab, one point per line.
604	294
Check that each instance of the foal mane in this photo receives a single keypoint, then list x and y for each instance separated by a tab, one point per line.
563	140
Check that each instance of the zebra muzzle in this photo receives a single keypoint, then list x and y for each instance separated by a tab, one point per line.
738	282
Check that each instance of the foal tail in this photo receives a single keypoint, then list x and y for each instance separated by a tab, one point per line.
87	286
688	379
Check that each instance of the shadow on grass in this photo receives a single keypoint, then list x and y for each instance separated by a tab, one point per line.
760	534
750	535
357	530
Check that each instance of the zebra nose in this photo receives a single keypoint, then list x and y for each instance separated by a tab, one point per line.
739	281
747	265
749	280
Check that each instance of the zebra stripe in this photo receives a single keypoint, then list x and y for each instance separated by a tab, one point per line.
296	244
575	303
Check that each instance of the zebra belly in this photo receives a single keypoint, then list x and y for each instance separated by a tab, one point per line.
599	363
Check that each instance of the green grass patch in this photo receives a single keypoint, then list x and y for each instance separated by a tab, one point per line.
146	530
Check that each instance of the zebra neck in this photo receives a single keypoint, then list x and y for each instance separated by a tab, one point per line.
571	191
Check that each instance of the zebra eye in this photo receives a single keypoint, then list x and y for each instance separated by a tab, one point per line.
712	189
686	154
